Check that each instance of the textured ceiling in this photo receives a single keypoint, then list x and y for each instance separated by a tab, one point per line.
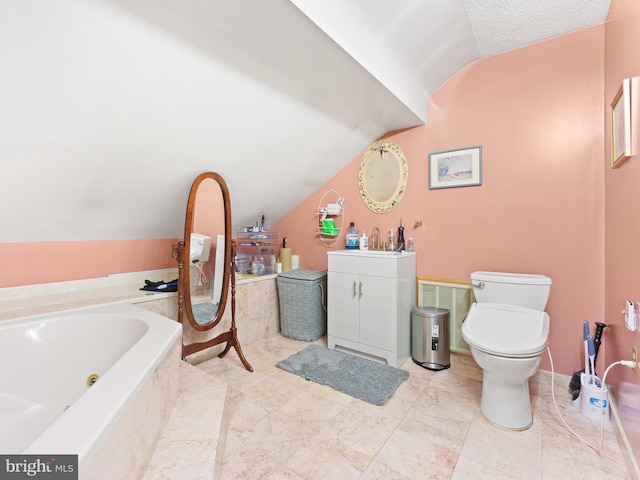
501	25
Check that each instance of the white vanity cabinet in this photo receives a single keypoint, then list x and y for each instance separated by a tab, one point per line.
369	302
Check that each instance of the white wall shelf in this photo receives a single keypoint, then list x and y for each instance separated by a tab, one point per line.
330	206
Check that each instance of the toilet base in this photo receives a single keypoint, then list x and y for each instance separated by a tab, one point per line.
506	403
505	399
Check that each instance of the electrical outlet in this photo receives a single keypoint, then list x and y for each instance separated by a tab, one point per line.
631	315
175	252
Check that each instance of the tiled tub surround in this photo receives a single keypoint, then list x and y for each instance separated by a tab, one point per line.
124	448
51	297
137	360
257	316
257	311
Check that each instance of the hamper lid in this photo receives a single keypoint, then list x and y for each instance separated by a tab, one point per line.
302	274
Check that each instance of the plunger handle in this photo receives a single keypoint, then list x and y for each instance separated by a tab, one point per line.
597	340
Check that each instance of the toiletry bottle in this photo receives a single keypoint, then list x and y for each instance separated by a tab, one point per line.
392	244
410	246
364	241
352	237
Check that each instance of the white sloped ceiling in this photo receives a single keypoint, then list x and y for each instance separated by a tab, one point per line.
110	108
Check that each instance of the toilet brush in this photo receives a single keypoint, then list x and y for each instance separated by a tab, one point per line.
592	361
574	384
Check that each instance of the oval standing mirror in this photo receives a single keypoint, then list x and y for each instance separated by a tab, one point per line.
207	251
206	264
382	177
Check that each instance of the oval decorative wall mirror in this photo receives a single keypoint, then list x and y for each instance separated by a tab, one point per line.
382	177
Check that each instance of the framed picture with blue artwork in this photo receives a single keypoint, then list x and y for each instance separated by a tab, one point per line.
455	168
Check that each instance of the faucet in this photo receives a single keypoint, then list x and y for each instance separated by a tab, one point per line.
375	245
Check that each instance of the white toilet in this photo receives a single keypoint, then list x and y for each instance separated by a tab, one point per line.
507	331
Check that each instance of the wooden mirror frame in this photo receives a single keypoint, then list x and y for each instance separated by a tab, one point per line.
188	230
228	277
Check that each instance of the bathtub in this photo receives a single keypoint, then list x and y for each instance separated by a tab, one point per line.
50	400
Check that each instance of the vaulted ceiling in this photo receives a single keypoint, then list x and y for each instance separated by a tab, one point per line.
110	108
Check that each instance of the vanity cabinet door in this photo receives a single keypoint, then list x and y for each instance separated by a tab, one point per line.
378	307
343	305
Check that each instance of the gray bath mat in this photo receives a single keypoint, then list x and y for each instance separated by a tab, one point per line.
367	380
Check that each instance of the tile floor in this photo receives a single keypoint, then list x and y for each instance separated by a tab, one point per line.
276	425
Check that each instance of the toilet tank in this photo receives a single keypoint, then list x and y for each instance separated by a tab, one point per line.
524	290
199	249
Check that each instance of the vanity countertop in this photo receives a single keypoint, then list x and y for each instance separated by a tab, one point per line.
372	253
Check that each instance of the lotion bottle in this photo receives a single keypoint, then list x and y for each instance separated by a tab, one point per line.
364	242
392	244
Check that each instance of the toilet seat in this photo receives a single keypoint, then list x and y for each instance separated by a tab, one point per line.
506	330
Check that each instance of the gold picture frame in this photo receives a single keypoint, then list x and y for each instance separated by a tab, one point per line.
620	113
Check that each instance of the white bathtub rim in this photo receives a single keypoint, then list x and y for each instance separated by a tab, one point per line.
83	439
20	315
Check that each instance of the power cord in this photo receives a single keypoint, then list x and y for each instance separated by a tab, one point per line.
553	396
627	363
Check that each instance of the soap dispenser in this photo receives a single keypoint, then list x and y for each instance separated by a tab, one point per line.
392	244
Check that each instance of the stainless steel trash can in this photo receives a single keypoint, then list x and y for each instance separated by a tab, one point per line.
430	337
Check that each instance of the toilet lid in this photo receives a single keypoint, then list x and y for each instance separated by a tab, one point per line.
506	330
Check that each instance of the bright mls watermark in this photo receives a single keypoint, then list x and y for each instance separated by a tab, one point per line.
48	467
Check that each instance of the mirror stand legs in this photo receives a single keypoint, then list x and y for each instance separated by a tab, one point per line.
235	343
229	336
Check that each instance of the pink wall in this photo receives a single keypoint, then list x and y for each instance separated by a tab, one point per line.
622	226
537	112
34	263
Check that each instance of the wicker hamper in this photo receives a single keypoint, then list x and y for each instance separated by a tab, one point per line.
302	295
